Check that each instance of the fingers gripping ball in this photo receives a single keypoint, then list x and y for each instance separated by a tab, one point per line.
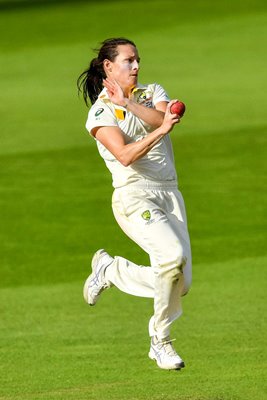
178	108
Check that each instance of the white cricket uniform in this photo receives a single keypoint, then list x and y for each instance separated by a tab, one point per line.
149	208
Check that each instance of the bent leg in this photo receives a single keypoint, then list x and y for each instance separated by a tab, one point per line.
162	233
131	278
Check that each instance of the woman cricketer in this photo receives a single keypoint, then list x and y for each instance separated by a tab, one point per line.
131	124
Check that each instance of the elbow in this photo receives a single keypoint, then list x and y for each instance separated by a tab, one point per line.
124	161
126	164
126	157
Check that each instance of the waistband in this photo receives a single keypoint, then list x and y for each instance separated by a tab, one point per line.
149	184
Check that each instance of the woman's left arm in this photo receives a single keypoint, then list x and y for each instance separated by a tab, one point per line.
152	116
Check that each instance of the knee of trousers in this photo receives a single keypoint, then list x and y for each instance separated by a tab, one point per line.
172	267
187	280
186	289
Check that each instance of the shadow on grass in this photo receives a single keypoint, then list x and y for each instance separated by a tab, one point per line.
25	4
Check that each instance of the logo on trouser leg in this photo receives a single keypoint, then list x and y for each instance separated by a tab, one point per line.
146	215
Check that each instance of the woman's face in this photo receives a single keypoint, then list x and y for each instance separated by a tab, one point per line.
124	69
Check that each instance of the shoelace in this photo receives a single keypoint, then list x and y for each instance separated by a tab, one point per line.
167	341
167	344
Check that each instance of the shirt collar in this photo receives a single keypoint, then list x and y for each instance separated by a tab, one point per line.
104	95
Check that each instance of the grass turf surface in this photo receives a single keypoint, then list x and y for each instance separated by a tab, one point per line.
55	202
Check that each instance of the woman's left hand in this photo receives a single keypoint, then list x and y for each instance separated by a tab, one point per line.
115	92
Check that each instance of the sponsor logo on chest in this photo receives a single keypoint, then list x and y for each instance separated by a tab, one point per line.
145	98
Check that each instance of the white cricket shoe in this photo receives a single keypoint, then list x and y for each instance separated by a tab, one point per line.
164	354
96	283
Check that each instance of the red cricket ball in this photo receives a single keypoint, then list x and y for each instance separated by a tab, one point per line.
178	108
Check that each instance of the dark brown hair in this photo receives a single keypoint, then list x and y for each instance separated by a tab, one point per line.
90	81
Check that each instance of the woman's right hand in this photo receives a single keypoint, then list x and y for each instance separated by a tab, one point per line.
170	119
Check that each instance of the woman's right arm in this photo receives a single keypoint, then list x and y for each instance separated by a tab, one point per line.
113	139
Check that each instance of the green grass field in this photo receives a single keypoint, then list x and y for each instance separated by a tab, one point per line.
55	202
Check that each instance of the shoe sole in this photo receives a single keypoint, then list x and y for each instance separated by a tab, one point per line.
176	367
85	290
88	280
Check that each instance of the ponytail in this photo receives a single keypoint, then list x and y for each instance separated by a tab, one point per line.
90	82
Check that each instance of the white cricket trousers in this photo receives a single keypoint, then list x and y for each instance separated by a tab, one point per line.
154	217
